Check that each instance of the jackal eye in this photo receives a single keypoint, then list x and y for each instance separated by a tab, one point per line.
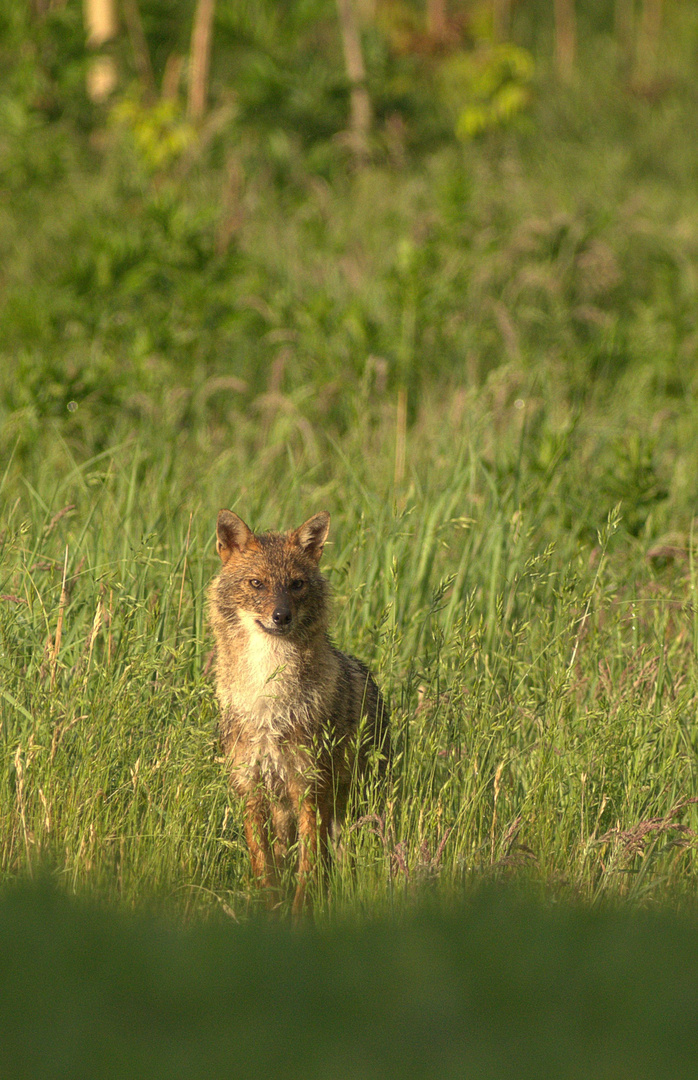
256	583
297	584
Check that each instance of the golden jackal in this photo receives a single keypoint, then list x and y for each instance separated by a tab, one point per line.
298	717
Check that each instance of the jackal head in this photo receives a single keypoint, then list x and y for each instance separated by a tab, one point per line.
271	581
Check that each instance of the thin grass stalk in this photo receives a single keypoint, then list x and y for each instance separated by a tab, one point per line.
400	438
59	623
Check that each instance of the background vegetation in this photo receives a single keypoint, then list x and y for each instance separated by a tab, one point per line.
472	338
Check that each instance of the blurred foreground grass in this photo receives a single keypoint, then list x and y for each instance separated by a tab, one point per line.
501	987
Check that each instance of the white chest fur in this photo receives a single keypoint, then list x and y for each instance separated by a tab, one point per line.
279	698
268	673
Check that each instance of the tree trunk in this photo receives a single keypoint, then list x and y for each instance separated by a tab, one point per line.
565	38
171	77
360	102
199	58
139	45
648	41
501	18
437	26
624	26
101	26
100	21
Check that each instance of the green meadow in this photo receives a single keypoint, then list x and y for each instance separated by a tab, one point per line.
480	357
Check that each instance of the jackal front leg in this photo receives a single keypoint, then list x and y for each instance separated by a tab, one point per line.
257	818
313	822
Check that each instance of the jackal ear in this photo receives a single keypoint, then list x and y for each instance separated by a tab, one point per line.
311	535
231	534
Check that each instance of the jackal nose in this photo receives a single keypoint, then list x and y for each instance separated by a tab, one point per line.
282	615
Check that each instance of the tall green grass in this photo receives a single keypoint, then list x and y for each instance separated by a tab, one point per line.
534	634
